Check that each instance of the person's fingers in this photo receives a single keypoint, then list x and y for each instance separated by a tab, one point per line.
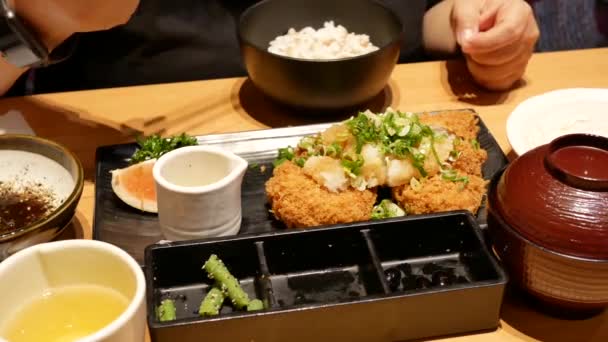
498	77
488	72
511	20
487	19
502	55
465	19
522	47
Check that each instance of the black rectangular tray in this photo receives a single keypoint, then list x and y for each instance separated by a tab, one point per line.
133	230
328	284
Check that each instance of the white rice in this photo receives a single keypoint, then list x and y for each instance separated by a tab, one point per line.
329	42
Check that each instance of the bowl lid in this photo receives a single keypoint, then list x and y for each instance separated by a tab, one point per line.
556	195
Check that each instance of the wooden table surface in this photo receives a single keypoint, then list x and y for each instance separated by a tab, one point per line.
88	119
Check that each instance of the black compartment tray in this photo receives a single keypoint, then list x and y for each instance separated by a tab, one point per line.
330	284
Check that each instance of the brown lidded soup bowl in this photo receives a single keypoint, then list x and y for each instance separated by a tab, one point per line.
548	222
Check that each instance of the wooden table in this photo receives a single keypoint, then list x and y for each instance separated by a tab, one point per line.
88	119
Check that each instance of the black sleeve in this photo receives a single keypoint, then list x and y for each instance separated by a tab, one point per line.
431	3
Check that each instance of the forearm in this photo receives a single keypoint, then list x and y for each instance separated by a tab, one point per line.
8	75
54	21
437	31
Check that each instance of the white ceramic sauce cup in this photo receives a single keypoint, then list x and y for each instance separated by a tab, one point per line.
198	191
27	274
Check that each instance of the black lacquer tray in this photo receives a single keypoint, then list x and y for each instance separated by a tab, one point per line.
133	230
329	283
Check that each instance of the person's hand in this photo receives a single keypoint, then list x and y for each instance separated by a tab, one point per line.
497	38
56	20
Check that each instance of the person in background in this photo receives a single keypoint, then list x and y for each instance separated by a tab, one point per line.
131	42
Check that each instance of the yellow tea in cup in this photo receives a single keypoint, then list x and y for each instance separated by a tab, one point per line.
65	314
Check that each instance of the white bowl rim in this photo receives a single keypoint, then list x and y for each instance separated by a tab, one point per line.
140	282
521	112
239	168
74	194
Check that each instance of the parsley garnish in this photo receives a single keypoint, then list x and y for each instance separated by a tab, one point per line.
155	146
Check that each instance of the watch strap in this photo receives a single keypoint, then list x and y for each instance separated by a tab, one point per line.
20	46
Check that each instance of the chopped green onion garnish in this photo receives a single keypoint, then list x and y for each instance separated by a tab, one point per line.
475	144
452	175
386	209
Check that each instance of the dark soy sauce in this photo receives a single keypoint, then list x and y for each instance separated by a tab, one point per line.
20	208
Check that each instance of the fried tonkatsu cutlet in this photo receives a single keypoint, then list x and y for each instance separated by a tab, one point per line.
299	201
470	157
462	124
435	194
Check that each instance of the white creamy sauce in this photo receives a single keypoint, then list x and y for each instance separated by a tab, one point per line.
21	168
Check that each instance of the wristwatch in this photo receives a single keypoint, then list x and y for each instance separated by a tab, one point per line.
20	46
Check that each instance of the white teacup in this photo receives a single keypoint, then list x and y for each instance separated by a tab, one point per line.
198	191
28	274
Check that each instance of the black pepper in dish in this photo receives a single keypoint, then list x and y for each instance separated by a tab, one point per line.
22	206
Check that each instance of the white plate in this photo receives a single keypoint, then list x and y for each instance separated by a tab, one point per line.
542	118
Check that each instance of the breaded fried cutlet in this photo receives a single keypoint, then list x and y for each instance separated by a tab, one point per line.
299	201
436	194
470	158
462	124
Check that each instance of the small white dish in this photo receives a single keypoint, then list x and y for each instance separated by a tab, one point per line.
31	272
540	119
198	191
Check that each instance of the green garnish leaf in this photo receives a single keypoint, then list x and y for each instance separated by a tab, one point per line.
286	153
454	154
333	150
300	161
154	146
353	165
386	209
415	184
363	129
452	176
475	144
418	163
